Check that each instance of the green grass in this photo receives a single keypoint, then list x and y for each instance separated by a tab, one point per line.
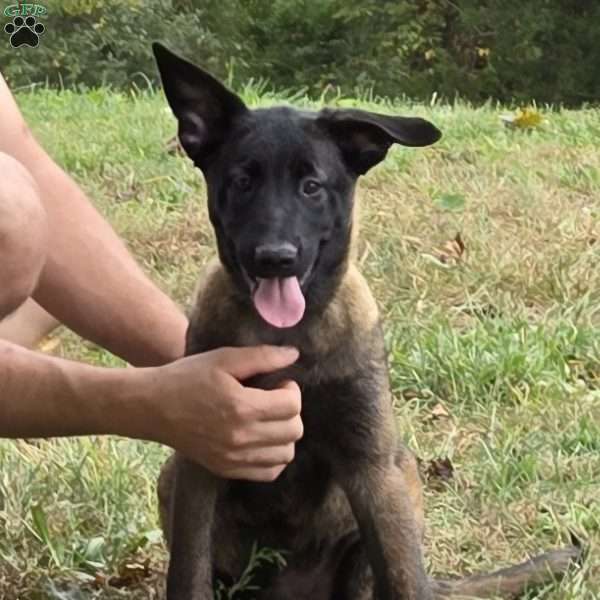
495	354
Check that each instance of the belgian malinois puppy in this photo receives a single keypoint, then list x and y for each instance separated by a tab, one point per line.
348	510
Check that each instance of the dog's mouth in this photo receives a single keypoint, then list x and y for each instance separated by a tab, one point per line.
279	301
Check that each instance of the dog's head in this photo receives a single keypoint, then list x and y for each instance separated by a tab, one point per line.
280	184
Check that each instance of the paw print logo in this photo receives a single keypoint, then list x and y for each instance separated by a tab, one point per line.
24	32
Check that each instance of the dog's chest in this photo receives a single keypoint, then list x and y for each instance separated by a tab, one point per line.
286	506
336	430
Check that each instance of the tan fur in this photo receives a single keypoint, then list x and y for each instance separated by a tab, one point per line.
348	322
352	314
383	495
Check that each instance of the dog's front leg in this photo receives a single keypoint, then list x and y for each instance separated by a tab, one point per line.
380	497
191	517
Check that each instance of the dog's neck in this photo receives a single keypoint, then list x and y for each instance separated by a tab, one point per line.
348	311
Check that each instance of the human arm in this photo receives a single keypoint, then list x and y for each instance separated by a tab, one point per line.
195	405
90	282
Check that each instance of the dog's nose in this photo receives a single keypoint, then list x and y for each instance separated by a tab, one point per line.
274	256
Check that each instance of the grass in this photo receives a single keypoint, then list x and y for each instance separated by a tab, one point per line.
495	349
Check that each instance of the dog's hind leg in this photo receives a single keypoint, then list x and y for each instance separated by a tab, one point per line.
407	463
165	491
354	580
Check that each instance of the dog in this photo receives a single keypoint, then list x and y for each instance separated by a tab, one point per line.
348	510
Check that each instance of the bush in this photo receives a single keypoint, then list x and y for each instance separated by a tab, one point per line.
91	43
511	51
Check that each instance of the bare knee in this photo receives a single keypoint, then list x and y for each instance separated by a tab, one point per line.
23	234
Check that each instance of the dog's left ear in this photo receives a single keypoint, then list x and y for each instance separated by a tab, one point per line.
365	137
203	106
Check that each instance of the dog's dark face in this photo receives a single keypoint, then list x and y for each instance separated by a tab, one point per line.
280	184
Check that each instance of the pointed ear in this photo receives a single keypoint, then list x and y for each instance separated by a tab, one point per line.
364	137
203	106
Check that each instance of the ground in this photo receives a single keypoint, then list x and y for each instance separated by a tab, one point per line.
494	340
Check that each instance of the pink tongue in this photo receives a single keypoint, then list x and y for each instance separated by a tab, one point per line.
279	301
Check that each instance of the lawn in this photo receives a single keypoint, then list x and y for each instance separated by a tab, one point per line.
494	340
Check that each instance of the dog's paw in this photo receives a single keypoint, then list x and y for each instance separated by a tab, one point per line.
24	32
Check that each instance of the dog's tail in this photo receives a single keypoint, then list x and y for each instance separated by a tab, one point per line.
514	581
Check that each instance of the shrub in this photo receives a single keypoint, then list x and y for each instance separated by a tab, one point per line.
511	51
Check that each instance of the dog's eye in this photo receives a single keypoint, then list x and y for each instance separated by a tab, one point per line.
242	182
311	187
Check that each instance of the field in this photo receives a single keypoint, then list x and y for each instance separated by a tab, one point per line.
494	340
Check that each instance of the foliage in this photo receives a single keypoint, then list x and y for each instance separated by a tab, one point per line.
92	43
514	50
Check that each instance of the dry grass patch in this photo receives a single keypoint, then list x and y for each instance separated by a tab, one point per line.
494	346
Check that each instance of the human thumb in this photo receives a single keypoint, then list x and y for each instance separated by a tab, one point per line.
243	363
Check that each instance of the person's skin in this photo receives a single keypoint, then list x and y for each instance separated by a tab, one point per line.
55	247
28	325
88	267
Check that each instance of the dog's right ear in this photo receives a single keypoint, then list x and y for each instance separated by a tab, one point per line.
203	106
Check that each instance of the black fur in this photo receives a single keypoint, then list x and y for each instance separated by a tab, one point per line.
258	162
280	196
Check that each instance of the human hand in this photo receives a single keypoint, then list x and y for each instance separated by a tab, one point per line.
200	408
